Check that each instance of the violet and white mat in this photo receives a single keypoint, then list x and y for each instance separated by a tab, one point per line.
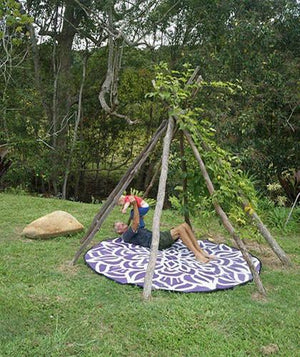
176	268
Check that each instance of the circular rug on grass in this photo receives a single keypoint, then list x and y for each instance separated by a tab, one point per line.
176	267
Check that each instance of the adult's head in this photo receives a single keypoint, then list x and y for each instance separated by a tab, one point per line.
120	227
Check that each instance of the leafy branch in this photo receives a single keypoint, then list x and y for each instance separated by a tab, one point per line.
173	90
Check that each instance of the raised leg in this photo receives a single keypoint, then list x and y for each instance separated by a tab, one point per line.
195	242
181	232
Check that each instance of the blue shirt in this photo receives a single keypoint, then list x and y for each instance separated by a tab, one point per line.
141	237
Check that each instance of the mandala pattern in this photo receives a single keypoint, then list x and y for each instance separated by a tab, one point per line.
176	268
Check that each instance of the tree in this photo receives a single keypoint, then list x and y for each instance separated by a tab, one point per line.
13	35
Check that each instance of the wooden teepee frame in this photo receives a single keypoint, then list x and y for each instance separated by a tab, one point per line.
168	127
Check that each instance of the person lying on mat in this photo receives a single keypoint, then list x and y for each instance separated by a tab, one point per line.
142	236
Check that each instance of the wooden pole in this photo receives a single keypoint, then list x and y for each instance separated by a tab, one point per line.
284	258
118	190
157	213
224	217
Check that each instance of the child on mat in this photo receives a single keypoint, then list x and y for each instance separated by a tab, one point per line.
143	207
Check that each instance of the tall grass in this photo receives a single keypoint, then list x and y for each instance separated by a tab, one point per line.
49	308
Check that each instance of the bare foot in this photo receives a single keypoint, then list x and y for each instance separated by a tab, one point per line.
208	255
201	258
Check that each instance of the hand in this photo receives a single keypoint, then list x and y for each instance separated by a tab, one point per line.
131	199
123	210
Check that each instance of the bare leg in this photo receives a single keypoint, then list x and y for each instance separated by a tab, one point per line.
181	232
195	242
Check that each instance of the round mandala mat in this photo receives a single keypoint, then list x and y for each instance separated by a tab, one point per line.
176	268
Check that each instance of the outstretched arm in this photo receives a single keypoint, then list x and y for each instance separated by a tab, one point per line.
126	205
136	216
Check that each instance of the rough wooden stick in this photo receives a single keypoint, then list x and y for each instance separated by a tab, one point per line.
284	258
157	212
118	190
224	217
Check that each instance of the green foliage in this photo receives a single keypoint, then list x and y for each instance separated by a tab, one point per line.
13	23
261	126
19	190
247	52
265	204
256	45
229	181
171	87
277	217
276	193
135	83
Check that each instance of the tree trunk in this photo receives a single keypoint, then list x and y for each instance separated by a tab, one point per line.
158	210
77	121
225	219
37	72
63	81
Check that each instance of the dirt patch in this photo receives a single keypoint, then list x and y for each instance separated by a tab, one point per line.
256	296
269	349
260	250
214	238
68	268
265	254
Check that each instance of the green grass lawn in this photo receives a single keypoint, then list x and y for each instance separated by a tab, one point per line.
50	308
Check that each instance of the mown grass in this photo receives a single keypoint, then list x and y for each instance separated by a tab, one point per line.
49	308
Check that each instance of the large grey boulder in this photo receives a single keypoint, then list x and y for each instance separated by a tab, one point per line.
57	223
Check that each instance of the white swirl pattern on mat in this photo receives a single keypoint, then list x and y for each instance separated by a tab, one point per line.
176	268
